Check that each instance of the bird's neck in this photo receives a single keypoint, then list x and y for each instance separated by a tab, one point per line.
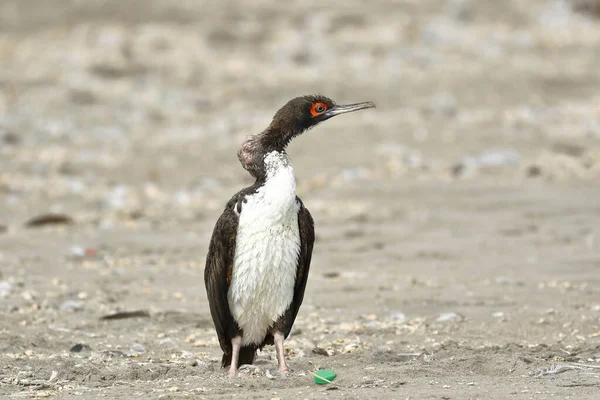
262	155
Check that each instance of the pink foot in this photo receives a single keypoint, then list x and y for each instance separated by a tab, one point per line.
284	370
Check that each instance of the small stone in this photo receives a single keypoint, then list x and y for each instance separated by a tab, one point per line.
138	348
414	160
249	369
192	363
498	158
272	374
461	10
49	219
442	104
503	280
165	341
487	159
108	354
397	316
350	348
79	347
450	317
186	354
320	351
78	251
72	305
199	364
5	289
534	171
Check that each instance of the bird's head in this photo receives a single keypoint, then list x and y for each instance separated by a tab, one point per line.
294	118
302	113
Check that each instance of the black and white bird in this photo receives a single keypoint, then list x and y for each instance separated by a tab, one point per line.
259	254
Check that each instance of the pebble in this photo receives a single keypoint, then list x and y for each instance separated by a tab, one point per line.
460	10
450	317
78	251
205	365
414	160
138	348
186	354
79	347
443	104
5	289
353	174
320	351
503	280
192	363
397	316
272	374
498	158
351	348
249	369
108	354
492	158
72	305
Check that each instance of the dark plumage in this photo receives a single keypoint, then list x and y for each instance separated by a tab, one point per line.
269	192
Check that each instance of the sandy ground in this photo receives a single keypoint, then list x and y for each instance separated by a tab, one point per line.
458	224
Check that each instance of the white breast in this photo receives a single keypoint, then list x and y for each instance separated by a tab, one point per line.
266	254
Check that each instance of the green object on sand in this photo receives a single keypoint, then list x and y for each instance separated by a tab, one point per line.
324	376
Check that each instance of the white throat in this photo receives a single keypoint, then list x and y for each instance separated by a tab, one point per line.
266	255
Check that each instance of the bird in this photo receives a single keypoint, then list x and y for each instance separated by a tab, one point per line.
261	246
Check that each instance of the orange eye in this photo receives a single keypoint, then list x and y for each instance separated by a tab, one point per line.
318	108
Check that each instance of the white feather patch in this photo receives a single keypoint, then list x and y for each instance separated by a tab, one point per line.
266	254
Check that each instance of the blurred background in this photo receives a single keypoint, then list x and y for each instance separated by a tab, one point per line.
143	104
465	204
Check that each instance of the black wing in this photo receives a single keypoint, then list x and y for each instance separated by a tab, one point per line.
217	273
307	239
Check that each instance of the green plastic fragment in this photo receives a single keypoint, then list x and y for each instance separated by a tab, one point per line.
324	376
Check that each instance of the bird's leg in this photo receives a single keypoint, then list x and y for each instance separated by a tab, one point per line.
283	368
236	345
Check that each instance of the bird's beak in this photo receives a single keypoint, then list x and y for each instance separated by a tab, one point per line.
342	109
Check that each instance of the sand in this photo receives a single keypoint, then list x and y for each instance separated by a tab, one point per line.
458	224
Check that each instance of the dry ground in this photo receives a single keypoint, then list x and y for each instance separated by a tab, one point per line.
458	225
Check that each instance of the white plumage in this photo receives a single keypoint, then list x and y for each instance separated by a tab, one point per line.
266	254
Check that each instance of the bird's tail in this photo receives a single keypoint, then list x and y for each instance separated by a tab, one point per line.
247	354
